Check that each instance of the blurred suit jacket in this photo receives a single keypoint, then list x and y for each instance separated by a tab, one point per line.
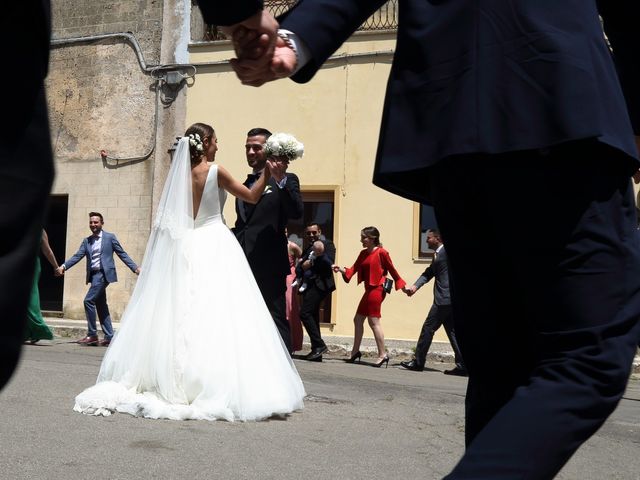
483	77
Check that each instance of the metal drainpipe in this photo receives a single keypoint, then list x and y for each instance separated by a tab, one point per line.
151	70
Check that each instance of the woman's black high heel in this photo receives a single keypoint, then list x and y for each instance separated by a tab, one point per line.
355	357
384	361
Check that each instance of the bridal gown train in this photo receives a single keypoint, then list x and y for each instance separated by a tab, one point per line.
196	340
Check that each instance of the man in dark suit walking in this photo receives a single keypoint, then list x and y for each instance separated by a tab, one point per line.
318	288
441	312
260	228
516	107
98	249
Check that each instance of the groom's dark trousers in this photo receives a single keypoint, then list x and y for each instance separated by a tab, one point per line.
260	229
558	220
26	166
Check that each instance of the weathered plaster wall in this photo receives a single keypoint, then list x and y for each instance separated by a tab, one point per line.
99	98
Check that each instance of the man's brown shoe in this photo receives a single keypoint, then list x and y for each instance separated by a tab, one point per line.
89	340
105	342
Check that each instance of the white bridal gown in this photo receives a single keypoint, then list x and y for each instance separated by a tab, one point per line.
196	341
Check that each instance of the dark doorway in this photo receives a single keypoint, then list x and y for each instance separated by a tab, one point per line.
51	287
318	206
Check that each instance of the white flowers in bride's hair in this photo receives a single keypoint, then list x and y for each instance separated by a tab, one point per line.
284	145
196	141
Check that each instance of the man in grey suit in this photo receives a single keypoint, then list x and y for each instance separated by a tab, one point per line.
98	248
441	313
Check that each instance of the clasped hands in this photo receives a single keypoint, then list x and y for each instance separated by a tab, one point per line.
262	56
410	290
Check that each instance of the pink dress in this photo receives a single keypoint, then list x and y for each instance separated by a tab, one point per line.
293	309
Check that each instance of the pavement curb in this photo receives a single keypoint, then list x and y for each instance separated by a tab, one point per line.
440	352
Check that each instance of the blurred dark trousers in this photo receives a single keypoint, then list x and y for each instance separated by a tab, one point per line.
26	174
544	263
438	316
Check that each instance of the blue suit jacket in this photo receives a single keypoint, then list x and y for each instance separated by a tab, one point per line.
486	76
110	245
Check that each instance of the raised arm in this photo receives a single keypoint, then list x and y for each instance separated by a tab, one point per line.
348	273
237	189
46	250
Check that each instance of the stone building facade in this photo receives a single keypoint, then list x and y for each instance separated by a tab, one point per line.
110	89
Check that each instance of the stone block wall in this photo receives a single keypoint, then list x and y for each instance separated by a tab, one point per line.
100	98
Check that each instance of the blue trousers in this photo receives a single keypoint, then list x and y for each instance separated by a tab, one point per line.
544	264
96	302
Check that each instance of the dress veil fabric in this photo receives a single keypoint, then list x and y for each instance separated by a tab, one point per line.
196	340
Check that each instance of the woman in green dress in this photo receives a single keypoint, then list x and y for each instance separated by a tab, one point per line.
36	328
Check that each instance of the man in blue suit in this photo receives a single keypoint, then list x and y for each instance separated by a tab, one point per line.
514	109
98	249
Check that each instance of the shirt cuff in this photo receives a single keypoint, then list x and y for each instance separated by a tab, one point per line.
282	183
303	54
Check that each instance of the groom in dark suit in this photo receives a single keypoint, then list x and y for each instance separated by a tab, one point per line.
98	249
260	228
515	108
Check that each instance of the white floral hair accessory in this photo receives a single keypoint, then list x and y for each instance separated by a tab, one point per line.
284	145
196	141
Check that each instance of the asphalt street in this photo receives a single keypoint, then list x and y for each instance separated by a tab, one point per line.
358	422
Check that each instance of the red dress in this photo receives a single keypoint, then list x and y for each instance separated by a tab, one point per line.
372	268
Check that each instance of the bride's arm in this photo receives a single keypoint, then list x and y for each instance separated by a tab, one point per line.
237	189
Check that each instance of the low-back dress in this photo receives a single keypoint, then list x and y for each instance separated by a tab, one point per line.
196	340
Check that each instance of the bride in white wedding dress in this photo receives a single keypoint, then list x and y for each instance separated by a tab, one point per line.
196	340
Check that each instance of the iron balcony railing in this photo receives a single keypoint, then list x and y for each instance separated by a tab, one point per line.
386	18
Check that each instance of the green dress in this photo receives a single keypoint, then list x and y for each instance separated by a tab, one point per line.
36	328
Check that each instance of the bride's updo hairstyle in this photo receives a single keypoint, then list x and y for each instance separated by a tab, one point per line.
196	146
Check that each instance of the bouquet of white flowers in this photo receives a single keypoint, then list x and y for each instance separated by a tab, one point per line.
284	145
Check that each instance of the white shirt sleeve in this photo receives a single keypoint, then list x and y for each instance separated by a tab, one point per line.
303	55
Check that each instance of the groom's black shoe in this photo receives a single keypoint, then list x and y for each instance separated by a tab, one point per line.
316	354
412	365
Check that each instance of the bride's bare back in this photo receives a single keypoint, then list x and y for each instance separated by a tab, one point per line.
199	175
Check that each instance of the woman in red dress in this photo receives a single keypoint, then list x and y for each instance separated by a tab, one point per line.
372	266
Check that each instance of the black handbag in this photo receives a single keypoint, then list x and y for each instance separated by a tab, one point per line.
387	285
